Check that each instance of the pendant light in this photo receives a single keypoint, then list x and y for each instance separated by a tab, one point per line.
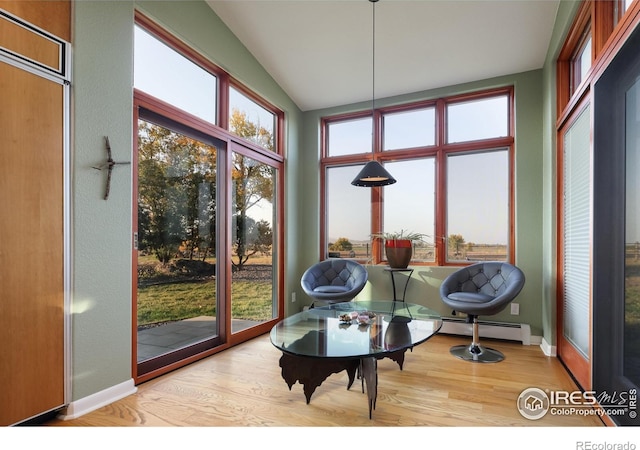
373	174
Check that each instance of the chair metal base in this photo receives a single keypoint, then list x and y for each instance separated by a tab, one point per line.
476	353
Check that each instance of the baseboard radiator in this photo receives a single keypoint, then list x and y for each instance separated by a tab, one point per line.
494	330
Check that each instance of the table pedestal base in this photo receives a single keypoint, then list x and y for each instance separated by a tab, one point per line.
369	373
311	372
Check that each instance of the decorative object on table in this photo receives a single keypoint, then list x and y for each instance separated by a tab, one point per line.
481	289
334	280
361	317
373	174
365	318
345	318
398	247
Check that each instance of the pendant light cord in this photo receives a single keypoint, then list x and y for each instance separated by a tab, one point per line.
373	59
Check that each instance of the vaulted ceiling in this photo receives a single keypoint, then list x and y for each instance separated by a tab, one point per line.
321	51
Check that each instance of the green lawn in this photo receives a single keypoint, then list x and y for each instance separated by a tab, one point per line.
251	300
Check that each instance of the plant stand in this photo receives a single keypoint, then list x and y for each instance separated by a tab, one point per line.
392	271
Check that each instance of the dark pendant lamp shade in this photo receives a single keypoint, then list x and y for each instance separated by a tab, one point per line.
373	174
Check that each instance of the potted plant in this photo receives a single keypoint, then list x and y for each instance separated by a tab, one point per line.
398	247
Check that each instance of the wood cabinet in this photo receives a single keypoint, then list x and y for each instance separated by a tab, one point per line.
33	111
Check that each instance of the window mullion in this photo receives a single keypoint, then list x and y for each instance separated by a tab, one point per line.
441	213
377	193
376	144
377	206
441	182
223	101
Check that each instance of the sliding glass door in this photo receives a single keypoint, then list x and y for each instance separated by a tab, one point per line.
177	307
617	234
253	250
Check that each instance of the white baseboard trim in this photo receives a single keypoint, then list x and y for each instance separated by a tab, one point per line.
536	340
98	400
548	349
496	330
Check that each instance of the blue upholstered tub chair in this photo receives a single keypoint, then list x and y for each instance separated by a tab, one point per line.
334	280
481	289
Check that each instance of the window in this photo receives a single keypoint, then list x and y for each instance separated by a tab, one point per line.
595	22
438	176
478	119
152	56
581	62
250	120
397	203
351	136
347	213
473	233
406	129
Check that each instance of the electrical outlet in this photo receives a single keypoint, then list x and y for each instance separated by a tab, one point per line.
515	309
293	297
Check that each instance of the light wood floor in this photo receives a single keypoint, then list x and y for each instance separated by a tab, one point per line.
242	386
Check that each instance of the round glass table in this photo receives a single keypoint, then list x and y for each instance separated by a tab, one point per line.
350	336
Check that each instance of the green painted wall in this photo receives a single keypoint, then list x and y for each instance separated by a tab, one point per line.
102	105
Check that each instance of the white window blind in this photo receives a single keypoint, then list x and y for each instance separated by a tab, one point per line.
577	233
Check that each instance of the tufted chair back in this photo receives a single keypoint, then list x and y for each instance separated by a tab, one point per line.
334	280
484	288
